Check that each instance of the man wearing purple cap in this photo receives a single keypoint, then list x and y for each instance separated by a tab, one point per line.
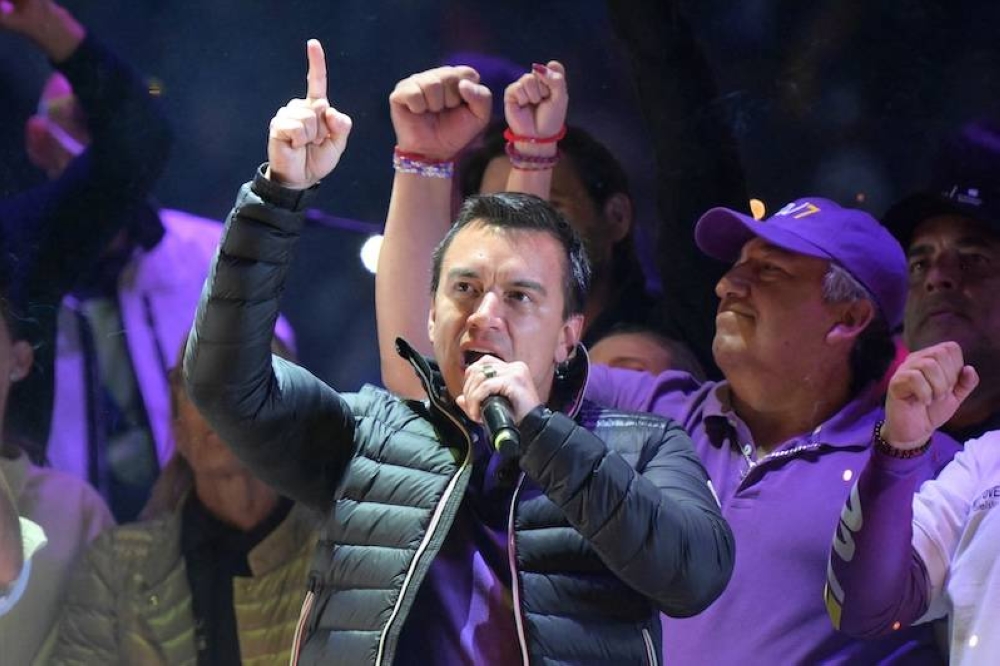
803	333
952	236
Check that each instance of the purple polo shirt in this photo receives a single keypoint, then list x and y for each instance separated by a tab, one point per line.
783	511
464	610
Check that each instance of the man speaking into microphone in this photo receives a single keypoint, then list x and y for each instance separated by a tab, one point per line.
431	554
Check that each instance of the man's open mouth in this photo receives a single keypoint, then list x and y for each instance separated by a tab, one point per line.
470	356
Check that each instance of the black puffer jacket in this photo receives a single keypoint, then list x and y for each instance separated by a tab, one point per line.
625	526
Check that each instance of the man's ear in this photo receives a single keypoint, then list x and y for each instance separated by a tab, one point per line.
854	318
620	213
430	323
569	337
22	356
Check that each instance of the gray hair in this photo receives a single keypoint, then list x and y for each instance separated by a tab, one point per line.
874	348
839	286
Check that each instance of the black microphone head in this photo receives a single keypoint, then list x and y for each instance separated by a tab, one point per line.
501	429
507	442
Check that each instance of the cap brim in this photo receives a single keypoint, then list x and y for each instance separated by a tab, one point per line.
903	218
721	233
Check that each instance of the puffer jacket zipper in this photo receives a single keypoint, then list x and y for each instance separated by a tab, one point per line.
573	408
435	519
515	583
300	626
650	649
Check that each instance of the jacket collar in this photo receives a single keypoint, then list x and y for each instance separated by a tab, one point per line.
297	530
285	541
567	389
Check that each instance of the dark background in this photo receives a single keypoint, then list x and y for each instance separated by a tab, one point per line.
842	99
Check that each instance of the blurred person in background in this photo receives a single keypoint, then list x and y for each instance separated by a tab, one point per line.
48	244
214	573
112	397
951	232
640	348
19	539
54	233
590	187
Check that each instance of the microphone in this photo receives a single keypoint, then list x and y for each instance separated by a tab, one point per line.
501	430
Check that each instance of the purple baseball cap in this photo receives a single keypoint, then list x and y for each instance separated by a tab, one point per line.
819	228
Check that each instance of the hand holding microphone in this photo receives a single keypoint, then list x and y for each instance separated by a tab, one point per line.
498	395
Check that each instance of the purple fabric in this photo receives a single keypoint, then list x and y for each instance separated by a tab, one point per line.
783	512
876	582
819	228
464	611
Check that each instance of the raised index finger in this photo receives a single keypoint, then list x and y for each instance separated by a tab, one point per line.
316	78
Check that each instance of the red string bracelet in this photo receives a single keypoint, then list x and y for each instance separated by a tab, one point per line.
417	157
517	138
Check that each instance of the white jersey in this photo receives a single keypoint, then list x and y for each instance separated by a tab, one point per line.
956	532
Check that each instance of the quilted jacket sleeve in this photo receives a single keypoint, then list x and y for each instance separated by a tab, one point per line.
88	625
293	431
657	525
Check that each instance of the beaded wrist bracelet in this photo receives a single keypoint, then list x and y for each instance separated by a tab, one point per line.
888	449
406	162
525	162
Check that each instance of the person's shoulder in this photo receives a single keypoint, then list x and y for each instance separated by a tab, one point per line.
596	413
383	405
188	241
72	490
121	555
182	225
137	541
985	449
628	428
397	415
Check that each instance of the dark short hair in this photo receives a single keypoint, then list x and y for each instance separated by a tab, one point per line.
680	352
600	172
513	211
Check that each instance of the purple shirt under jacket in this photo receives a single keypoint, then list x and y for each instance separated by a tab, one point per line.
463	614
783	511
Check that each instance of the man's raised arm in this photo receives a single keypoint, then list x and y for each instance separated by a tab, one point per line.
436	114
291	429
878	580
535	109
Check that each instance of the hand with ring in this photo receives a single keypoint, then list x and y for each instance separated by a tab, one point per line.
490	375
